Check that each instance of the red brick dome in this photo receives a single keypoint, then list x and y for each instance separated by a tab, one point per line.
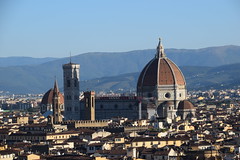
160	71
185	105
48	96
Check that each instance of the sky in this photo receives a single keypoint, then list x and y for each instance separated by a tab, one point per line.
54	28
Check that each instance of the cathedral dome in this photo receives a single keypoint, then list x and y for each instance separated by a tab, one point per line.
48	96
160	71
185	105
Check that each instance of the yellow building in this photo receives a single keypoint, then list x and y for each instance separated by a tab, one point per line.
119	140
6	155
41	137
20	120
149	142
87	123
29	157
3	147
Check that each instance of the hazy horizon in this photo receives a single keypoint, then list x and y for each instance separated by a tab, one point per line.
114	52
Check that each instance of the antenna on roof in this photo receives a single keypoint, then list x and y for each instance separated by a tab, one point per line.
70	57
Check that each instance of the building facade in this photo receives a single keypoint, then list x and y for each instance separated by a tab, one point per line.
111	107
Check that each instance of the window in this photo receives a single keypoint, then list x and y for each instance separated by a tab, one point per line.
115	106
76	108
167	95
130	106
149	94
68	97
76	97
75	83
101	106
86	102
68	83
92	101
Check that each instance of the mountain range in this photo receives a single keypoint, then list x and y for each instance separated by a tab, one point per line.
204	67
197	78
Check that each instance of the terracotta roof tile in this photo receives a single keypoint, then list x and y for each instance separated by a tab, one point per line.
160	71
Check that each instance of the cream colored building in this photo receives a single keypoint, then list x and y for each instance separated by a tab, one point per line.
149	142
29	157
20	120
6	155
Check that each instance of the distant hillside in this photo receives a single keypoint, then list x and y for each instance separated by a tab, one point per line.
227	76
39	78
122	83
211	56
20	61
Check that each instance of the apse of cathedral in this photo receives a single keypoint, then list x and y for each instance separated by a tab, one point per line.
161	94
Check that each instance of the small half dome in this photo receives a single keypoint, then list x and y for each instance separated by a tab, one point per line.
48	96
185	105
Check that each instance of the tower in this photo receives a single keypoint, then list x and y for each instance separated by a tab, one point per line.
71	91
57	106
89	98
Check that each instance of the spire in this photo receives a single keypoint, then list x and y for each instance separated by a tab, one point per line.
160	50
70	57
55	89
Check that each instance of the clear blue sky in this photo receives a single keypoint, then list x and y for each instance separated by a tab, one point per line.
53	28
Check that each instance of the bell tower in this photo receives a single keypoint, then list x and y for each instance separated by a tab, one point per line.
71	91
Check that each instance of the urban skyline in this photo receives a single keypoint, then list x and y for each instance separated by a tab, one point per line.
149	103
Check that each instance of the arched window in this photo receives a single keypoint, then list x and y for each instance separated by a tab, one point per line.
130	106
68	83
149	94
75	83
